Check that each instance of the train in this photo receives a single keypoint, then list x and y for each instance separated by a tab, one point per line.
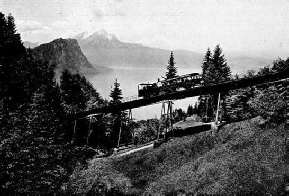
146	90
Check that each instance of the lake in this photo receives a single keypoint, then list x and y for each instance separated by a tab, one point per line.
129	78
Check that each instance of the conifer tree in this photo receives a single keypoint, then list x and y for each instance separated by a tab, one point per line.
171	67
206	66
116	96
116	93
72	93
11	50
214	70
220	69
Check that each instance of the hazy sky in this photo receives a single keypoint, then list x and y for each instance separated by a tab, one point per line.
170	24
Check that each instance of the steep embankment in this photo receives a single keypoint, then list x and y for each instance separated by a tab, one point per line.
66	54
243	158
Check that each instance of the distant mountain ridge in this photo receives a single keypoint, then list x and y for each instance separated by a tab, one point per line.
105	49
67	54
102	48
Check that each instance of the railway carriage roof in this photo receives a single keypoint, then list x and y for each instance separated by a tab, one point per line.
180	77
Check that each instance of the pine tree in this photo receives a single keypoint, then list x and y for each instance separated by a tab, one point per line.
72	94
116	93
206	66
171	67
220	69
11	51
92	97
214	70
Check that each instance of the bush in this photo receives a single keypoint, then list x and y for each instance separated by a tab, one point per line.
269	104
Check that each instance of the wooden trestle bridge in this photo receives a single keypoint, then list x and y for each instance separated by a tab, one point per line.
138	102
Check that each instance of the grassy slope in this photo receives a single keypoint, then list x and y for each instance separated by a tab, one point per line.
242	158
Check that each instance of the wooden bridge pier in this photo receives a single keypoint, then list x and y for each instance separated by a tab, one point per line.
125	123
167	117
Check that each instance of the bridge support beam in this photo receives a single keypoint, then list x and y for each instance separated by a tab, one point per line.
167	118
125	124
218	109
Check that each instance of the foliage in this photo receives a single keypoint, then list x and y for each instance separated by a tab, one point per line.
281	66
120	127
147	130
35	157
267	100
179	115
99	178
11	51
171	68
214	71
116	93
192	109
77	93
270	104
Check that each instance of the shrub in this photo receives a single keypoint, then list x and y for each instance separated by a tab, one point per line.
269	104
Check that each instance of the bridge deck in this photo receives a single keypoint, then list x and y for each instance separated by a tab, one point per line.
201	90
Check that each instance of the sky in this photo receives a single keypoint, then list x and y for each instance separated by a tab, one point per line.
239	25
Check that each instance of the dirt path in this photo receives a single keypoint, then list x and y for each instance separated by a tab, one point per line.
133	150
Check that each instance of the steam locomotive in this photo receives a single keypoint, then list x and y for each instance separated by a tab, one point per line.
170	85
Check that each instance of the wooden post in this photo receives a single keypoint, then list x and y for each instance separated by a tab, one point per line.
218	107
130	124
89	130
120	129
163	112
170	115
206	108
74	131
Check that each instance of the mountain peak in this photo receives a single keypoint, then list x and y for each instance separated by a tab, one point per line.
66	54
98	39
102	34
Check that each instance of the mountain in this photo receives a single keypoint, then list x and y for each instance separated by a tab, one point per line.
105	49
243	64
102	48
28	44
67	54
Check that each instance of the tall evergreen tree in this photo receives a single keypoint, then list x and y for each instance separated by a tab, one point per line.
214	70
206	66
11	51
116	93
116	119
72	93
171	67
220	69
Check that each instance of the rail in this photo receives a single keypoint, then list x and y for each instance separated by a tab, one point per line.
136	102
131	98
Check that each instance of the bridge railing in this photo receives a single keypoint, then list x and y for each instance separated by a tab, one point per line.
131	98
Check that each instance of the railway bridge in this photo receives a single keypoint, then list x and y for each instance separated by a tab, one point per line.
138	102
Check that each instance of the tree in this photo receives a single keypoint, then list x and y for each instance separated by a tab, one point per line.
116	93
206	67
220	68
280	66
72	93
171	67
214	70
92	97
11	51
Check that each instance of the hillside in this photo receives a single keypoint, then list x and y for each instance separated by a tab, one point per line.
67	54
243	158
